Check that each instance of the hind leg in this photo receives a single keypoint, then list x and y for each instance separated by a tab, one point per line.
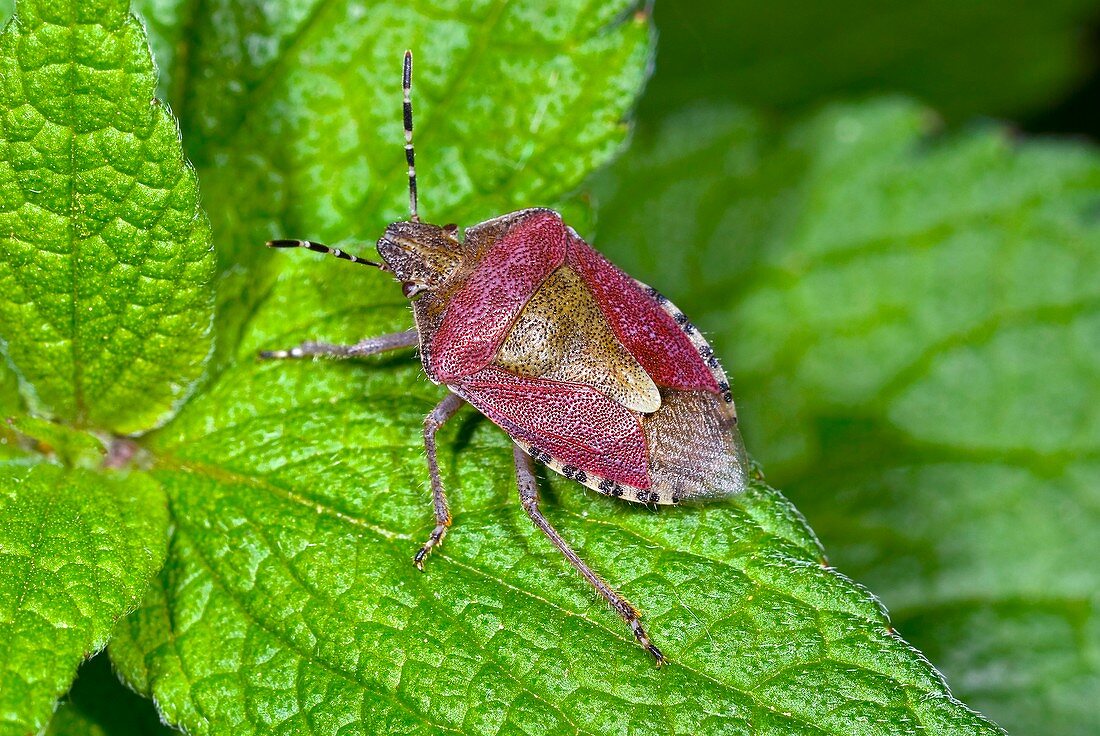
529	497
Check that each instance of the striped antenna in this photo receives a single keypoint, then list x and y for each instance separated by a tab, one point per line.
318	248
410	156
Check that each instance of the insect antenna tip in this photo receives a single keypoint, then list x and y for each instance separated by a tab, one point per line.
407	114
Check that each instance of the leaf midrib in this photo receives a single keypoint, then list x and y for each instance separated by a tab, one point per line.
79	407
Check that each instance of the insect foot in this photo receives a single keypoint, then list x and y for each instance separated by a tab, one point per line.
434	539
643	639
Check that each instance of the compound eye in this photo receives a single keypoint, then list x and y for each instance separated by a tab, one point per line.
451	230
410	289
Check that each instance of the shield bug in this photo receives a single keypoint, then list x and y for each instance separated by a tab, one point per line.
590	372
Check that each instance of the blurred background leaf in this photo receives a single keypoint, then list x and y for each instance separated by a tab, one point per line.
912	324
1009	58
1014	59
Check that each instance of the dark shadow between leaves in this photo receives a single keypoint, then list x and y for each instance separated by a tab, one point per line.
98	699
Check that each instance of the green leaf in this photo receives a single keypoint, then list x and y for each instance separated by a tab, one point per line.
9	391
166	23
912	327
168	26
1006	58
77	552
105	258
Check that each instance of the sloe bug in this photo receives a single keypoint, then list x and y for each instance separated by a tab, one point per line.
590	372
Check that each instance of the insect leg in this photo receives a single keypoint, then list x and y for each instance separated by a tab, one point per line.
529	497
369	346
436	419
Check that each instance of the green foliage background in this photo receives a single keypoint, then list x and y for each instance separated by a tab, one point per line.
903	292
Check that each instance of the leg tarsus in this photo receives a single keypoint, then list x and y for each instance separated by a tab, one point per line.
369	346
434	539
647	644
436	419
529	498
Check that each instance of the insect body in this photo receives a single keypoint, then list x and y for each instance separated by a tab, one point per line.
590	372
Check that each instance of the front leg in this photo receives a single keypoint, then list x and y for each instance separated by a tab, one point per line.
529	497
369	346
436	419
